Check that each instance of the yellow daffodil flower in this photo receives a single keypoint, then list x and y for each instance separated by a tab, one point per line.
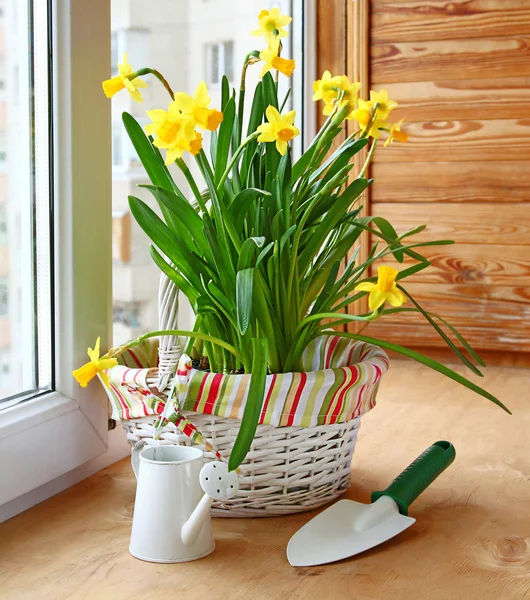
197	108
270	25
272	61
122	81
384	290
384	104
328	89
279	129
325	88
96	366
363	115
174	132
396	134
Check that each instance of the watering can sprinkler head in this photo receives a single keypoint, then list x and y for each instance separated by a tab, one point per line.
218	483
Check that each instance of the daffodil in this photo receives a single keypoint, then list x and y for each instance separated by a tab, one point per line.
363	115
197	107
96	366
279	129
396	134
270	56
384	104
271	24
174	132
122	81
328	89
385	290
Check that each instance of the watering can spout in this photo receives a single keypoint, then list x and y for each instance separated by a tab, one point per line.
218	484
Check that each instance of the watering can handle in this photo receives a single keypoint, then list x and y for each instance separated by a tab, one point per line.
135	455
419	475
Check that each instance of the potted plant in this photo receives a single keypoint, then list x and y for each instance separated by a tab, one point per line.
266	252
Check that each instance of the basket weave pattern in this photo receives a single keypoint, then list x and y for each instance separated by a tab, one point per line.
288	469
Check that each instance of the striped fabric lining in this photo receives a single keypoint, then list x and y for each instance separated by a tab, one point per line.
340	383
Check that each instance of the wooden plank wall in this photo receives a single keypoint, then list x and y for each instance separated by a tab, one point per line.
460	71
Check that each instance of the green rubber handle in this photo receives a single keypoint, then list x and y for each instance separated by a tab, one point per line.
419	475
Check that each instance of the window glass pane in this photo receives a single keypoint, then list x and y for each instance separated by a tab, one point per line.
200	41
25	236
213	64
228	62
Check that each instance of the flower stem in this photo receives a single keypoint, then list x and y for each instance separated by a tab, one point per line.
250	58
368	159
189	178
234	158
158	75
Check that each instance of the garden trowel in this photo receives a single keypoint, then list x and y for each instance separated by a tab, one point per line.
348	528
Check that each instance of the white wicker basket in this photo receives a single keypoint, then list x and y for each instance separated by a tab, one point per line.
288	469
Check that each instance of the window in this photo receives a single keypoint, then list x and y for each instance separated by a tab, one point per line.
25	300
114	53
4	296
3	224
55	262
117	145
219	62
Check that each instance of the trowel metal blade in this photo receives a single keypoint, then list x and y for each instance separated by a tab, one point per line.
345	529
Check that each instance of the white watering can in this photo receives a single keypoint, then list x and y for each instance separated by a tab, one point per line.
171	520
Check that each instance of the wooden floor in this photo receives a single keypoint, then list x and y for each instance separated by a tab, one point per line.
471	539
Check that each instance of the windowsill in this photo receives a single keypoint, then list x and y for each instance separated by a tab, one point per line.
468	541
26	414
42	439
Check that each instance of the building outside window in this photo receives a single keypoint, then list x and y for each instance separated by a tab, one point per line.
219	62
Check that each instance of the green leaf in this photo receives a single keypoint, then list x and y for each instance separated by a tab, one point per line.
188	220
184	285
413	231
248	250
253	407
302	163
386	228
222	259
156	170
216	292
424	360
225	92
328	286
455	332
286	236
414	269
270	95
442	334
244	285
339	159
204	305
257	110
284	177
223	141
263	254
241	204
166	241
355	189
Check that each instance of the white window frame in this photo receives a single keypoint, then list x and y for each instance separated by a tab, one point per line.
304	52
55	432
